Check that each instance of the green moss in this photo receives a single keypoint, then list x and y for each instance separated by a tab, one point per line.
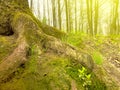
48	75
7	45
49	72
97	57
49	30
54	74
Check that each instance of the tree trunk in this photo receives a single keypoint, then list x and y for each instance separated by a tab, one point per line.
48	13
67	17
27	32
54	13
89	16
59	14
96	17
75	16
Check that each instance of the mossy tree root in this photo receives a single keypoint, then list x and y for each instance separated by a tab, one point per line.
13	61
29	33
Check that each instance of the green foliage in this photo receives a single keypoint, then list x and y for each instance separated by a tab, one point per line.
97	57
84	77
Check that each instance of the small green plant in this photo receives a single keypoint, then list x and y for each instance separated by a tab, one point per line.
84	77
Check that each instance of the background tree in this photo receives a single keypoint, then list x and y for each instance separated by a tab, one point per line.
96	16
59	14
81	16
44	12
48	12
90	15
54	13
70	17
31	4
67	15
38	9
114	23
76	15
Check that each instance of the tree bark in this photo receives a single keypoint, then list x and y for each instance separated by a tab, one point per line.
59	14
67	17
54	13
96	17
75	16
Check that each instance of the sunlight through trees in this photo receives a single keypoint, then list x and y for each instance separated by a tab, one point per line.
88	16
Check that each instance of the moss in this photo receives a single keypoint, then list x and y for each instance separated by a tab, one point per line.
7	45
53	73
52	31
49	30
49	75
97	57
50	72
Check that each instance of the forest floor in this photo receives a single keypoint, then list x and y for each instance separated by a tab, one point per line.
50	71
105	50
105	47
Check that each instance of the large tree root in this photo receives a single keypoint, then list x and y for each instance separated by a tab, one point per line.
29	33
12	62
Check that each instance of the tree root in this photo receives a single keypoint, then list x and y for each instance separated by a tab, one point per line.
12	62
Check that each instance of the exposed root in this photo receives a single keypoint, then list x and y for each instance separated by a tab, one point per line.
12	62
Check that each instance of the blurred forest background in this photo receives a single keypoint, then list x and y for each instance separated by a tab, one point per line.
94	17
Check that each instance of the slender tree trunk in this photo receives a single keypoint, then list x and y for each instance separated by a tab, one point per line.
114	21
44	12
31	4
75	16
70	22
96	17
54	13
90	16
59	14
67	17
117	16
81	16
38	10
48	13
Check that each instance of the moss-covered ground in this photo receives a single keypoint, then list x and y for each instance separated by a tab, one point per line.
48	71
99	47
